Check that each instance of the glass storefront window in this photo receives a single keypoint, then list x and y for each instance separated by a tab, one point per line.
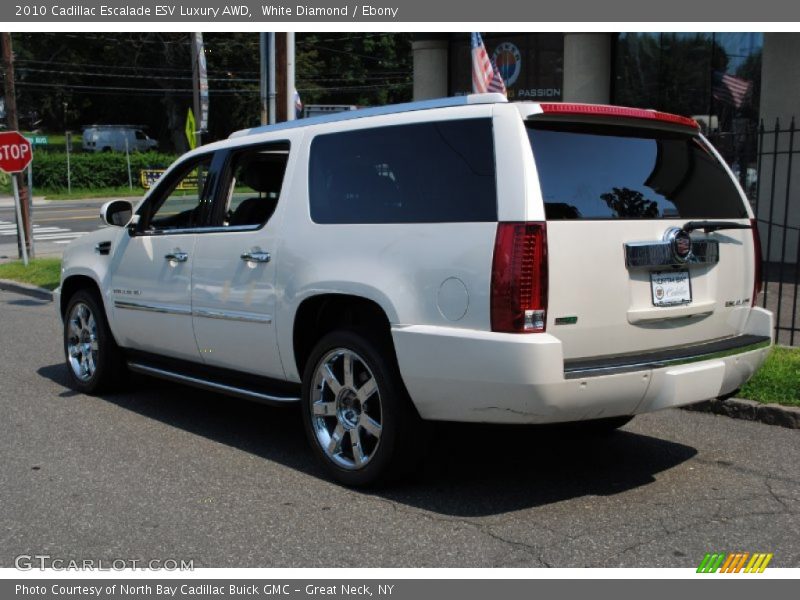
713	77
532	64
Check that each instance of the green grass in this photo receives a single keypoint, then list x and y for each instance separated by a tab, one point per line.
42	272
80	193
778	380
77	193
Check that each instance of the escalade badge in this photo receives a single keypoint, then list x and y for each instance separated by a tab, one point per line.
680	243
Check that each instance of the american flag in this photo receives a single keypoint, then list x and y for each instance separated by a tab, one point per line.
730	89
485	74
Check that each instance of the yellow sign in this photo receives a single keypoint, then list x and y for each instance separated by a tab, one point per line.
190	129
149	177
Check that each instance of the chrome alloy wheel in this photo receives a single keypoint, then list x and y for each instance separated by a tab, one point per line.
346	409
82	342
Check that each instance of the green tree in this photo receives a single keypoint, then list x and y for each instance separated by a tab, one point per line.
66	81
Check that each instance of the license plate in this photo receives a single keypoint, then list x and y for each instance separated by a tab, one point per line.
670	288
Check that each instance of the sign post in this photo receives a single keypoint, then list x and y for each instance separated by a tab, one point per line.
20	228
15	155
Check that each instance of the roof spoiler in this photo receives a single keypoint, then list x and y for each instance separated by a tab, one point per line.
605	110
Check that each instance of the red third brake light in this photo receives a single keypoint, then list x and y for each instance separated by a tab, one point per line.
519	278
604	110
757	279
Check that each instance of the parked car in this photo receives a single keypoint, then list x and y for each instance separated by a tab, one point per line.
464	259
113	138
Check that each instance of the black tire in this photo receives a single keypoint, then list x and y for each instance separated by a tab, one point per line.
108	370
403	436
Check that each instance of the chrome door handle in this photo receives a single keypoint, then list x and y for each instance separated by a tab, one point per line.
177	256
256	256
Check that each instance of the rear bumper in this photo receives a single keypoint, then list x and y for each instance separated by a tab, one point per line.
458	375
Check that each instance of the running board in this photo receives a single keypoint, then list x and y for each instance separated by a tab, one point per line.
212	386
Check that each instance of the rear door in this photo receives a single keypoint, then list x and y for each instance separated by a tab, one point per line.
619	197
233	281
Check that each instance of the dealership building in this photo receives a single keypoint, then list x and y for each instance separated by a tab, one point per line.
729	82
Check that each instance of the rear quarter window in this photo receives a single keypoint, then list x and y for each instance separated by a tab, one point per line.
420	173
604	172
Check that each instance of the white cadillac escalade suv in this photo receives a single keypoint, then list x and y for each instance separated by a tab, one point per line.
464	259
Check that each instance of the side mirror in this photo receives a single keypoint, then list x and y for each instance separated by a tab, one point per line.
116	213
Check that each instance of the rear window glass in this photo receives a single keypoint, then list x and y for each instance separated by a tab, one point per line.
420	173
602	172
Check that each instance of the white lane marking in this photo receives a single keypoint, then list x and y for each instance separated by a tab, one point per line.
58	236
51	234
35	228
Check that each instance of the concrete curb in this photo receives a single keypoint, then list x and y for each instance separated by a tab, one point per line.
26	289
749	410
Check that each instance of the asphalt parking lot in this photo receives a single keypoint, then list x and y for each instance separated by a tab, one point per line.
167	472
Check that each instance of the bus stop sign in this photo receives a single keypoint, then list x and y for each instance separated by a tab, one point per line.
15	152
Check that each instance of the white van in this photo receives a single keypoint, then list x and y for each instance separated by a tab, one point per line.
463	259
113	138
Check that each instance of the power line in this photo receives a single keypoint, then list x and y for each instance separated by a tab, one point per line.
374	76
100	89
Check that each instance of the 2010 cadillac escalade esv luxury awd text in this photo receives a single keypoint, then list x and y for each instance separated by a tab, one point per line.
464	259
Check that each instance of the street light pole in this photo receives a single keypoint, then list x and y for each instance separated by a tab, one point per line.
271	79
290	76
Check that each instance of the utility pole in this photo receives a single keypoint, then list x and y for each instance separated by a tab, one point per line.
277	74
23	228
262	71
281	40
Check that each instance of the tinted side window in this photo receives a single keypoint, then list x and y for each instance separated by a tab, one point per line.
594	172
180	204
255	181
420	173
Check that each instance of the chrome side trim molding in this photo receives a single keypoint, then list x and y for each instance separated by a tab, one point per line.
211	386
230	315
626	364
167	309
153	307
660	254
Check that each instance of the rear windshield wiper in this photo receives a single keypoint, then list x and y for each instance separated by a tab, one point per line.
709	226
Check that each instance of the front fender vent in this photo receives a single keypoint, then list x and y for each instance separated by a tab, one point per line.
103	248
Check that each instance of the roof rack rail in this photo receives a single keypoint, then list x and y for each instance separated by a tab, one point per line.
375	111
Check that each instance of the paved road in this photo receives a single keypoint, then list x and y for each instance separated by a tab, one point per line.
169	472
55	224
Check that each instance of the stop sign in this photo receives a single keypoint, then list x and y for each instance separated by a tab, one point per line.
15	152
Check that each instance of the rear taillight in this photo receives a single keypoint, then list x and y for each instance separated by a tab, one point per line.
757	281
519	278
